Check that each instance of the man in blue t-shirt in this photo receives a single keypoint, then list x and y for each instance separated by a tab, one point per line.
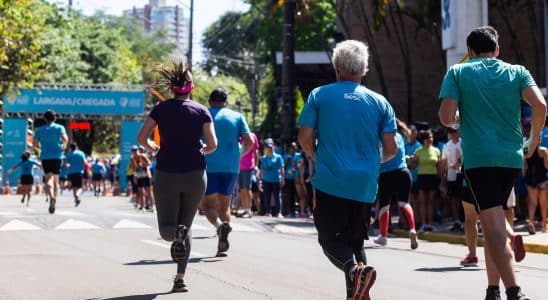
52	139
76	161
350	123
223	165
483	95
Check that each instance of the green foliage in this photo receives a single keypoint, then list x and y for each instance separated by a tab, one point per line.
299	102
20	27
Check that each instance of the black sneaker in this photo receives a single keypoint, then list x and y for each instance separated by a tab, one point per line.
492	293
51	208
178	247
515	293
179	286
77	201
456	227
223	232
244	215
367	278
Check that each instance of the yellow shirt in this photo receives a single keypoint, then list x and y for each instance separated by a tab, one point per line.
428	160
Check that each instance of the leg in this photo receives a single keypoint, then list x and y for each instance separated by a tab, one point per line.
422	206
543	203
223	207
431	197
532	201
267	193
470	228
209	205
277	199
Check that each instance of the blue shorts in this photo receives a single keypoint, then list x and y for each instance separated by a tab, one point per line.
222	183
244	179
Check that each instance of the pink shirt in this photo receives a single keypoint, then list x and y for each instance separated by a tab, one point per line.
247	162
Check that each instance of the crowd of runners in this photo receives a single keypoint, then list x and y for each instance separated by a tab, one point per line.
358	163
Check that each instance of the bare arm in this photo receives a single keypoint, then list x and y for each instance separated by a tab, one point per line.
306	140
145	132
64	140
389	146
248	144
404	129
533	96
448	112
208	131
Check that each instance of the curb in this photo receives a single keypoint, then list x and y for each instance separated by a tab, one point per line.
459	239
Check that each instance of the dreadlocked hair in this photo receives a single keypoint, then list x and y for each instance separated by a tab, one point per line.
176	74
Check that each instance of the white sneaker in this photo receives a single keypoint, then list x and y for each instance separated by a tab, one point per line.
380	240
280	216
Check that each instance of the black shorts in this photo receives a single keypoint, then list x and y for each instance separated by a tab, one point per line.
428	182
454	188
51	166
76	180
143	182
491	186
131	181
96	177
337	218
394	185
27	179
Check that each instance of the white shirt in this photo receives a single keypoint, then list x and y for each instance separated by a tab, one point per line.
452	152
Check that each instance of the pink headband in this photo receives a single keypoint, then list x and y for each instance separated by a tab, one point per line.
185	89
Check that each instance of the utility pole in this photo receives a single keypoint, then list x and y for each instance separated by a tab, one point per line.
288	74
190	36
254	79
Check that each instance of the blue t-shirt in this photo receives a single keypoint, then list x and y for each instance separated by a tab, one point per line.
409	151
290	166
26	166
398	161
350	121
49	136
271	166
76	160
229	126
488	92
98	168
544	135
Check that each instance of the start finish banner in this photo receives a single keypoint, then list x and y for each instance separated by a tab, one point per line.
76	101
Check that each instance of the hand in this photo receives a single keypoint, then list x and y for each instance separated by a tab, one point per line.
530	145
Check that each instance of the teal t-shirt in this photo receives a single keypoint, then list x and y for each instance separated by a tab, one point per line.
49	136
350	121
271	166
488	92
398	161
76	160
26	166
229	126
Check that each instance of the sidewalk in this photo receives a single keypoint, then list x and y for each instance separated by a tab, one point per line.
536	243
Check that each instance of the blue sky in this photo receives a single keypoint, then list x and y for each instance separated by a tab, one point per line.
204	15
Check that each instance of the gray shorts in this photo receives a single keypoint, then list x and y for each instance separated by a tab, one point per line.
244	179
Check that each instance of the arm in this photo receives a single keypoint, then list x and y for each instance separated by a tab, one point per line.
64	140
534	98
404	129
389	146
248	144
8	173
208	132
145	132
448	112
306	140
282	182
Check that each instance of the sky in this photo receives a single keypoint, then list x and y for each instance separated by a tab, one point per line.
205	12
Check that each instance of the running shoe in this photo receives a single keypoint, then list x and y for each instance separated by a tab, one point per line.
492	293
179	286
456	227
380	240
366	280
222	233
414	241
51	208
77	201
23	200
245	215
356	282
178	247
515	293
531	227
516	241
469	261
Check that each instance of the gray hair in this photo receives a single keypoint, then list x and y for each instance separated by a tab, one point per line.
351	56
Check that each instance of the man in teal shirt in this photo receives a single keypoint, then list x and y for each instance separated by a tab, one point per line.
483	95
76	160
223	165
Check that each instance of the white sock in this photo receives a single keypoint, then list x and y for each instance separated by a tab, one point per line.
218	223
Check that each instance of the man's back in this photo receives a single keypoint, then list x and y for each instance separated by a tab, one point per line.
229	126
51	145
76	160
489	92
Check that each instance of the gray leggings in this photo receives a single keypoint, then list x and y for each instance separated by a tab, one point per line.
177	198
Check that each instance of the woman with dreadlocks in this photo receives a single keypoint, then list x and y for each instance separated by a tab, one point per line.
180	171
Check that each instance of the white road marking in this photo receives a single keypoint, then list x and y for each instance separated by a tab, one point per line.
71	224
243	228
69	213
8	213
18	225
129	224
165	245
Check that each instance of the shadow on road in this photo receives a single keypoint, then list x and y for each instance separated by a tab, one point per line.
145	262
447	269
139	297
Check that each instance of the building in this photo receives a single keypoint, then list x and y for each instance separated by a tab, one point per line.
157	15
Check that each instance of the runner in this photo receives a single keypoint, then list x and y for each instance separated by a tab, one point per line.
52	139
27	180
76	161
98	170
395	184
273	176
351	122
223	166
487	119
248	163
141	164
180	172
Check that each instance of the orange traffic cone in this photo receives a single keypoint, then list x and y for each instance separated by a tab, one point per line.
7	187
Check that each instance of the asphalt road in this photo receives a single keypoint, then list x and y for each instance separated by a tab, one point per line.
104	249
